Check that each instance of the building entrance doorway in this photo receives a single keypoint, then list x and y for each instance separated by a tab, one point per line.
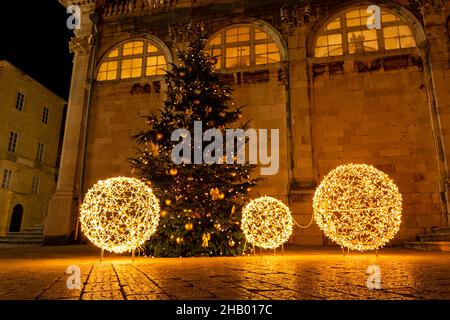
16	219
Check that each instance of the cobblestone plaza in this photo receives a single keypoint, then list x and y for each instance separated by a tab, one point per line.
301	274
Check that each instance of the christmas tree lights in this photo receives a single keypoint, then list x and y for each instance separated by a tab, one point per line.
201	203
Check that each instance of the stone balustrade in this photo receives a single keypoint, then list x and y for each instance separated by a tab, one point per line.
139	7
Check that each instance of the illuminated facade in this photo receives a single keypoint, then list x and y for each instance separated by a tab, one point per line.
31	118
339	92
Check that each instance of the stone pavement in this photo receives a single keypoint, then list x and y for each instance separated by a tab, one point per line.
302	273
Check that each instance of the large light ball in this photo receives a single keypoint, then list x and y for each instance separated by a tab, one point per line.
358	207
119	214
267	223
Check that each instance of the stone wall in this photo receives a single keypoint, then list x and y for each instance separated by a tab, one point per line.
388	110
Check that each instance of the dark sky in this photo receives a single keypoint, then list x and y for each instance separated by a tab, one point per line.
34	38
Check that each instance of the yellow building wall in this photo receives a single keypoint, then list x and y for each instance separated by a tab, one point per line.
31	131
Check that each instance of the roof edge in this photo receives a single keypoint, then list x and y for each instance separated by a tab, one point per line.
7	64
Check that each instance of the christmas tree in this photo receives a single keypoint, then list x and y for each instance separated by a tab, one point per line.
201	203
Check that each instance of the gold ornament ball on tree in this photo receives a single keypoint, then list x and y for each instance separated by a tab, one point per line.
189	226
119	214
358	207
173	171
267	223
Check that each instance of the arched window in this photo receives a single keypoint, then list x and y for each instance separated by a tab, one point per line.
243	46
348	33
133	59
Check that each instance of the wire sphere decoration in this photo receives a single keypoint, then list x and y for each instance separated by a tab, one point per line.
119	214
358	207
267	223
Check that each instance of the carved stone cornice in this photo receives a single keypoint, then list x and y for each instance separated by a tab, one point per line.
80	45
428	6
181	32
136	7
297	15
67	3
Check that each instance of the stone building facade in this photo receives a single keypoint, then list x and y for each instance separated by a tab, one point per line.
339	91
30	123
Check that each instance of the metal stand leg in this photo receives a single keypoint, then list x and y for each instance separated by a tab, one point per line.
282	250
132	255
343	251
102	254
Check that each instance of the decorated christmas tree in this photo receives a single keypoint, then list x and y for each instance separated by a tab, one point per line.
201	203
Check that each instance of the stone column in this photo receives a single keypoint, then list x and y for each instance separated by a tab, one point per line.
61	217
437	73
302	173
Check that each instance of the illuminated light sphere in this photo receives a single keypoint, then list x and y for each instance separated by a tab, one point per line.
358	207
267	223
119	214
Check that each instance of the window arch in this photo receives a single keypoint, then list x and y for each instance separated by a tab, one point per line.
347	33
133	59
244	46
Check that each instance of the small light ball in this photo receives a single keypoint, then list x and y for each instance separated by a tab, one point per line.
358	207
267	223
119	214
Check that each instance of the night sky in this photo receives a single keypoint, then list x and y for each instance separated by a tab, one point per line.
34	38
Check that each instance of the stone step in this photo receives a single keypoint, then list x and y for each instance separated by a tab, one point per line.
441	230
28	231
440	246
434	237
20	241
23	235
35	228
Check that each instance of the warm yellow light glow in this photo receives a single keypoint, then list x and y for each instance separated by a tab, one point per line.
119	214
133	59
358	207
267	223
347	33
243	46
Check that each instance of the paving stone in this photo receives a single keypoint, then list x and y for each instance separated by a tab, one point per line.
299	275
103	295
